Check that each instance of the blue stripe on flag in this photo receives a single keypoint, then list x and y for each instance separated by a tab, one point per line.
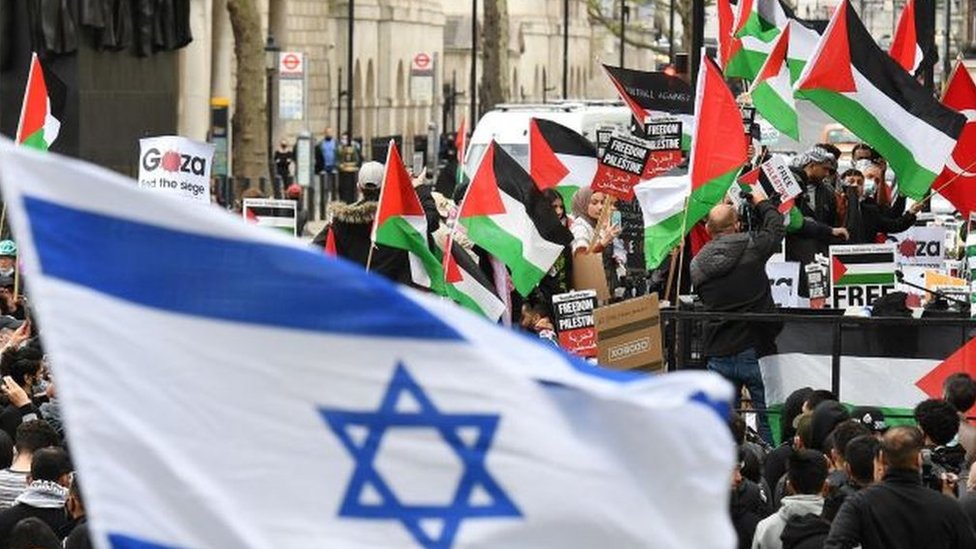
233	280
118	541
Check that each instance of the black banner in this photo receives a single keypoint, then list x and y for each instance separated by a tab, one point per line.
654	91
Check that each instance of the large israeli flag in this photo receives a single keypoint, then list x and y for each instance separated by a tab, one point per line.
225	387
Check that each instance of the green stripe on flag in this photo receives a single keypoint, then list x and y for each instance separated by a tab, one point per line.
775	110
567	192
397	232
507	248
660	239
861	279
913	179
745	64
795	67
36	141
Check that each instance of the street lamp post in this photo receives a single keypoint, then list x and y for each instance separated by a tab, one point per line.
271	51
349	65
473	85
624	17
565	49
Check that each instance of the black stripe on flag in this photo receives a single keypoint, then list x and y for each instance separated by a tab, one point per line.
655	91
470	267
879	257
892	80
563	140
516	183
267	211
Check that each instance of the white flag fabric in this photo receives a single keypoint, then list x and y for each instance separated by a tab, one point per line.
224	386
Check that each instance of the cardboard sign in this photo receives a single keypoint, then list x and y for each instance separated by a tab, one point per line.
777	179
629	335
861	274
622	166
816	283
281	215
574	322
784	282
176	166
922	246
664	137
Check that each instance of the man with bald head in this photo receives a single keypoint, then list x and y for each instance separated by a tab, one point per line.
729	275
900	512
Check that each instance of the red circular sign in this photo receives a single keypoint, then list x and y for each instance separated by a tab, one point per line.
291	61
421	60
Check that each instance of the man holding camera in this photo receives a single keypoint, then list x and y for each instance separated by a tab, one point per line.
729	274
900	512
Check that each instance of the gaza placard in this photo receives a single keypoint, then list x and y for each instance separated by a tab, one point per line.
176	166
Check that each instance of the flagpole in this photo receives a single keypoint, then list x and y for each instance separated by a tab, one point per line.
379	202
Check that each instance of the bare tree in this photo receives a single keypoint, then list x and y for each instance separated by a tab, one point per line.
682	10
250	138
494	79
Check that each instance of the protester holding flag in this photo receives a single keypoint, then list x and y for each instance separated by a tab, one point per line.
730	276
817	205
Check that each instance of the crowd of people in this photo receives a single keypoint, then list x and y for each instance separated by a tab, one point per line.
41	504
848	477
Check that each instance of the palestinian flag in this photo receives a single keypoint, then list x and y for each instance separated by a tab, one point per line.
330	244
401	223
506	214
957	182
803	42
41	113
656	95
860	86
274	214
884	366
662	202
792	217
771	92
560	158
671	206
468	285
913	46
757	25
461	146
727	44
852	267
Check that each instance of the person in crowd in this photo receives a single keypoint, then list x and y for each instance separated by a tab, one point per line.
863	217
862	151
325	162
826	416
32	436
559	279
899	512
33	533
75	531
806	475
537	318
959	390
294	192
748	505
350	158
730	276
753	452
863	461
284	157
816	397
19	377
775	465
8	258
839	483
818	206
587	206
943	457
47	490
352	226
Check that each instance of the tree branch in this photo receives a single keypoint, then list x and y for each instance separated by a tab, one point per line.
594	10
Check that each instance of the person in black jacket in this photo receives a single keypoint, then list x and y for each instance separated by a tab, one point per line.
899	512
47	490
748	505
818	206
352	225
863	217
729	274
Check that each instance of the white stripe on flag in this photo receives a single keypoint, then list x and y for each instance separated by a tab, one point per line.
516	222
662	197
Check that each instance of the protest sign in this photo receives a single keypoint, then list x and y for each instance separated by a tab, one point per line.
784	281
777	179
176	166
622	166
861	274
281	215
921	246
632	234
648	92
816	285
664	137
603	134
574	322
629	334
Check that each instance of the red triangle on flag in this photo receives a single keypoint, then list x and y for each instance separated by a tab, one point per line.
838	269
34	109
904	47
460	140
397	197
719	144
452	273
777	57
544	167
483	196
961	361
830	66
726	19
330	244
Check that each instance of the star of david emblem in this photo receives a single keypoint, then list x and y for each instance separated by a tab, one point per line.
369	494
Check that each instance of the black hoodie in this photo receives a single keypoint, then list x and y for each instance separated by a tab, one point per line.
805	532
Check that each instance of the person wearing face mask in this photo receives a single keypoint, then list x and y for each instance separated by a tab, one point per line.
863	217
8	257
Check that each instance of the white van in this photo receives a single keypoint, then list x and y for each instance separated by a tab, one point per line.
508	125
